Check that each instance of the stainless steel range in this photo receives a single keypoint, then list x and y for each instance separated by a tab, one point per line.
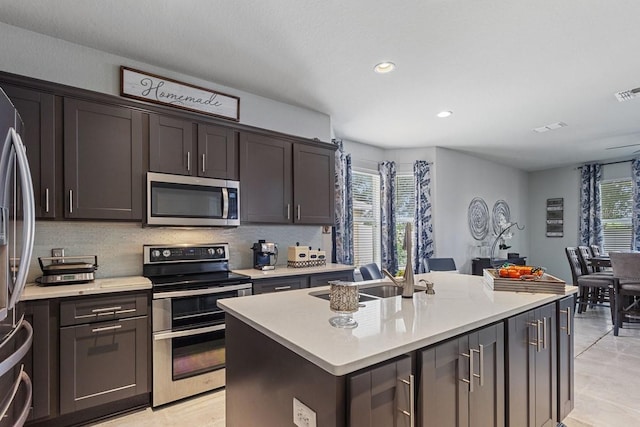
188	327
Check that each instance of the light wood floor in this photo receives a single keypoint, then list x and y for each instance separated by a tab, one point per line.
605	368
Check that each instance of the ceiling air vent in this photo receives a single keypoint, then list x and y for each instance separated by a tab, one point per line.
552	126
627	95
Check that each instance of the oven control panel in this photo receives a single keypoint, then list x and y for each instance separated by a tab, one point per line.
181	253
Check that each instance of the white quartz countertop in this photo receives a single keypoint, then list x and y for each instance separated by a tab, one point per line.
282	271
386	327
34	291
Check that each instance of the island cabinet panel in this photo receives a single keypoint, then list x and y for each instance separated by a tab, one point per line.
566	392
103	175
265	176
314	181
381	396
450	392
38	114
532	369
217	152
323	279
171	145
263	377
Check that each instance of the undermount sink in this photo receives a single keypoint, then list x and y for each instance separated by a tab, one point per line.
372	292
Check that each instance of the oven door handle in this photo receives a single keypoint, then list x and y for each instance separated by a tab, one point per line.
189	333
195	292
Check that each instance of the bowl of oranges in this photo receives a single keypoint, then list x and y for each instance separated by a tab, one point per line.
521	272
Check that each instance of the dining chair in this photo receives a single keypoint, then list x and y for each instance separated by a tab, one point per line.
597	295
440	264
370	271
626	286
587	284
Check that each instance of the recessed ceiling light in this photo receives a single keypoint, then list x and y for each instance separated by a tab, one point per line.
384	67
443	114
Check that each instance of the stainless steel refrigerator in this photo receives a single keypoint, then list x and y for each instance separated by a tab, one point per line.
17	227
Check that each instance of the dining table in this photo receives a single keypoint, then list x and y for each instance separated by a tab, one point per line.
599	262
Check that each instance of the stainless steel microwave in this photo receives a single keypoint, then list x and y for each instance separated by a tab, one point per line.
176	200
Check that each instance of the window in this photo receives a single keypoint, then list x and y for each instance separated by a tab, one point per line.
617	207
366	218
405	210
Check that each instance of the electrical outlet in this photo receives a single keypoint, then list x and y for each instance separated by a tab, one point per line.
303	416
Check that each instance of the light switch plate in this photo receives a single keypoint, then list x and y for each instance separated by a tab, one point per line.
303	416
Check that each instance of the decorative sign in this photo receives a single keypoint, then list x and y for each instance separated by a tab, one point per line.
555	217
160	90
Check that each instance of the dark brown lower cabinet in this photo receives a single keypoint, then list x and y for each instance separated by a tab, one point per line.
565	357
38	364
531	368
381	396
323	279
286	283
462	381
102	362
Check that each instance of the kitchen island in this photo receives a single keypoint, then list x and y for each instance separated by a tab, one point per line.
408	359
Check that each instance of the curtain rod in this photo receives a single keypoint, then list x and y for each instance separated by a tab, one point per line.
378	161
610	163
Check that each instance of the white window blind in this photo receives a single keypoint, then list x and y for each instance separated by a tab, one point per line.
617	207
366	218
405	210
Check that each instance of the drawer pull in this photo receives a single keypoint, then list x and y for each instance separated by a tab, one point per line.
130	310
281	288
106	328
102	310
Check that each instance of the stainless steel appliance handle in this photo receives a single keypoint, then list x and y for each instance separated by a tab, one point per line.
46	200
225	203
22	418
15	358
106	328
188	333
204	162
568	327
29	222
188	161
195	292
412	398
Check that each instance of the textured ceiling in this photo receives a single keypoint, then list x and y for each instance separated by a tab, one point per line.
503	67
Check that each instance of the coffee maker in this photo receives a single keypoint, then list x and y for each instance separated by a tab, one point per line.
265	255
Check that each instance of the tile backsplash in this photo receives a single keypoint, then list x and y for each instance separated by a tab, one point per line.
119	245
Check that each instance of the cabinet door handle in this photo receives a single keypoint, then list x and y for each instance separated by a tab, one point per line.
282	288
537	341
298	212
204	161
479	375
106	328
288	211
46	200
544	332
470	380
188	161
70	201
412	398
568	313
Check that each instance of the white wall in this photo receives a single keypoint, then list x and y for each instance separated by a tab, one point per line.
460	178
119	245
47	58
561	182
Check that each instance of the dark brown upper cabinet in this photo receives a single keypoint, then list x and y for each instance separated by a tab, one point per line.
265	179
182	147
38	114
103	175
285	182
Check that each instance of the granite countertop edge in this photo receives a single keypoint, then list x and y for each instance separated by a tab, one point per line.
109	285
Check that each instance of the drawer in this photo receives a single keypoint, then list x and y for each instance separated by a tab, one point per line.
98	309
278	284
323	279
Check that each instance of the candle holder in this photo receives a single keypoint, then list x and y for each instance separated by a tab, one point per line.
343	299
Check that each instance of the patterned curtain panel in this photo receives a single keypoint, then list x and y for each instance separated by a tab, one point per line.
343	231
635	177
590	232
388	216
423	247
